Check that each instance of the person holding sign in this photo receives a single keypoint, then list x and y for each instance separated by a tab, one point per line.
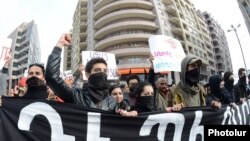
189	91
93	93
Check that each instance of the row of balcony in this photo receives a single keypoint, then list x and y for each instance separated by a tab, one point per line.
121	14
125	25
123	5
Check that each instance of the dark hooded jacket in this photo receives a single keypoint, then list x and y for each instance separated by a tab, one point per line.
229	96
184	93
216	94
80	96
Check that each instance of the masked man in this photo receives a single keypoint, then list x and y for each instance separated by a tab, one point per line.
189	92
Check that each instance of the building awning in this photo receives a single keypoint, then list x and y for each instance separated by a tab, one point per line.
137	71
133	71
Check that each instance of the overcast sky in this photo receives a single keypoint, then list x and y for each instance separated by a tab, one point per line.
54	17
227	13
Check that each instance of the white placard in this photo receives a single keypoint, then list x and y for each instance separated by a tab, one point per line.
5	45
167	52
108	57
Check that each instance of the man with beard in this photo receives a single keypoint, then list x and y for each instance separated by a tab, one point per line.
189	92
240	88
93	94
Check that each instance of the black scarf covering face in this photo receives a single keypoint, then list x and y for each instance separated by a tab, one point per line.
98	86
37	88
145	104
192	77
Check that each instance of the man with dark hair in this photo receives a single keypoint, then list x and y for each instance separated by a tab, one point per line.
240	88
93	94
132	81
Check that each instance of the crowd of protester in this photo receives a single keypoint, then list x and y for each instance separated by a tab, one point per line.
130	97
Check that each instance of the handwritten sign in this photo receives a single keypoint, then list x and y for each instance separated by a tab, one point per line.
108	57
5	44
167	52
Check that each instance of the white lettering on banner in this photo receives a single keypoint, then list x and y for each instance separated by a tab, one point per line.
230	115
28	113
196	129
164	119
245	111
239	115
93	127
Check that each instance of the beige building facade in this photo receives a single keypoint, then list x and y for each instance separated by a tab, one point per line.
123	27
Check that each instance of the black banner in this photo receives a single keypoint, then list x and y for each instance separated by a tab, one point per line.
33	120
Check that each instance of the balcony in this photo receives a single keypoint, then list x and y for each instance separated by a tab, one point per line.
168	2
101	3
177	30
122	5
121	39
130	51
125	26
171	9
128	13
174	20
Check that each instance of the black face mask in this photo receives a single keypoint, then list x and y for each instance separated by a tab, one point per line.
36	84
243	80
229	84
37	88
98	86
192	77
145	104
98	81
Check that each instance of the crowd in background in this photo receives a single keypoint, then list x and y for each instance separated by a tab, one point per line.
130	97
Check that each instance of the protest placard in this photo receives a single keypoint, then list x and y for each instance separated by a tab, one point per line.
5	44
167	52
108	57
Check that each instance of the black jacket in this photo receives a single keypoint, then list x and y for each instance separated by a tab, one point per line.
79	96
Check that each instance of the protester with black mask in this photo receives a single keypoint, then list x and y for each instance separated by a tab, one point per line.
216	95
93	94
189	92
229	97
144	93
36	86
240	89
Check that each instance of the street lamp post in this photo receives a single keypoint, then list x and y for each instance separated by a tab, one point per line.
235	31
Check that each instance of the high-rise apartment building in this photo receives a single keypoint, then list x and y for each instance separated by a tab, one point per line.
25	50
123	27
221	50
245	10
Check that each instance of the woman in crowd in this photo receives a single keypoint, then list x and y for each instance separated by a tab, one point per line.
121	107
144	93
